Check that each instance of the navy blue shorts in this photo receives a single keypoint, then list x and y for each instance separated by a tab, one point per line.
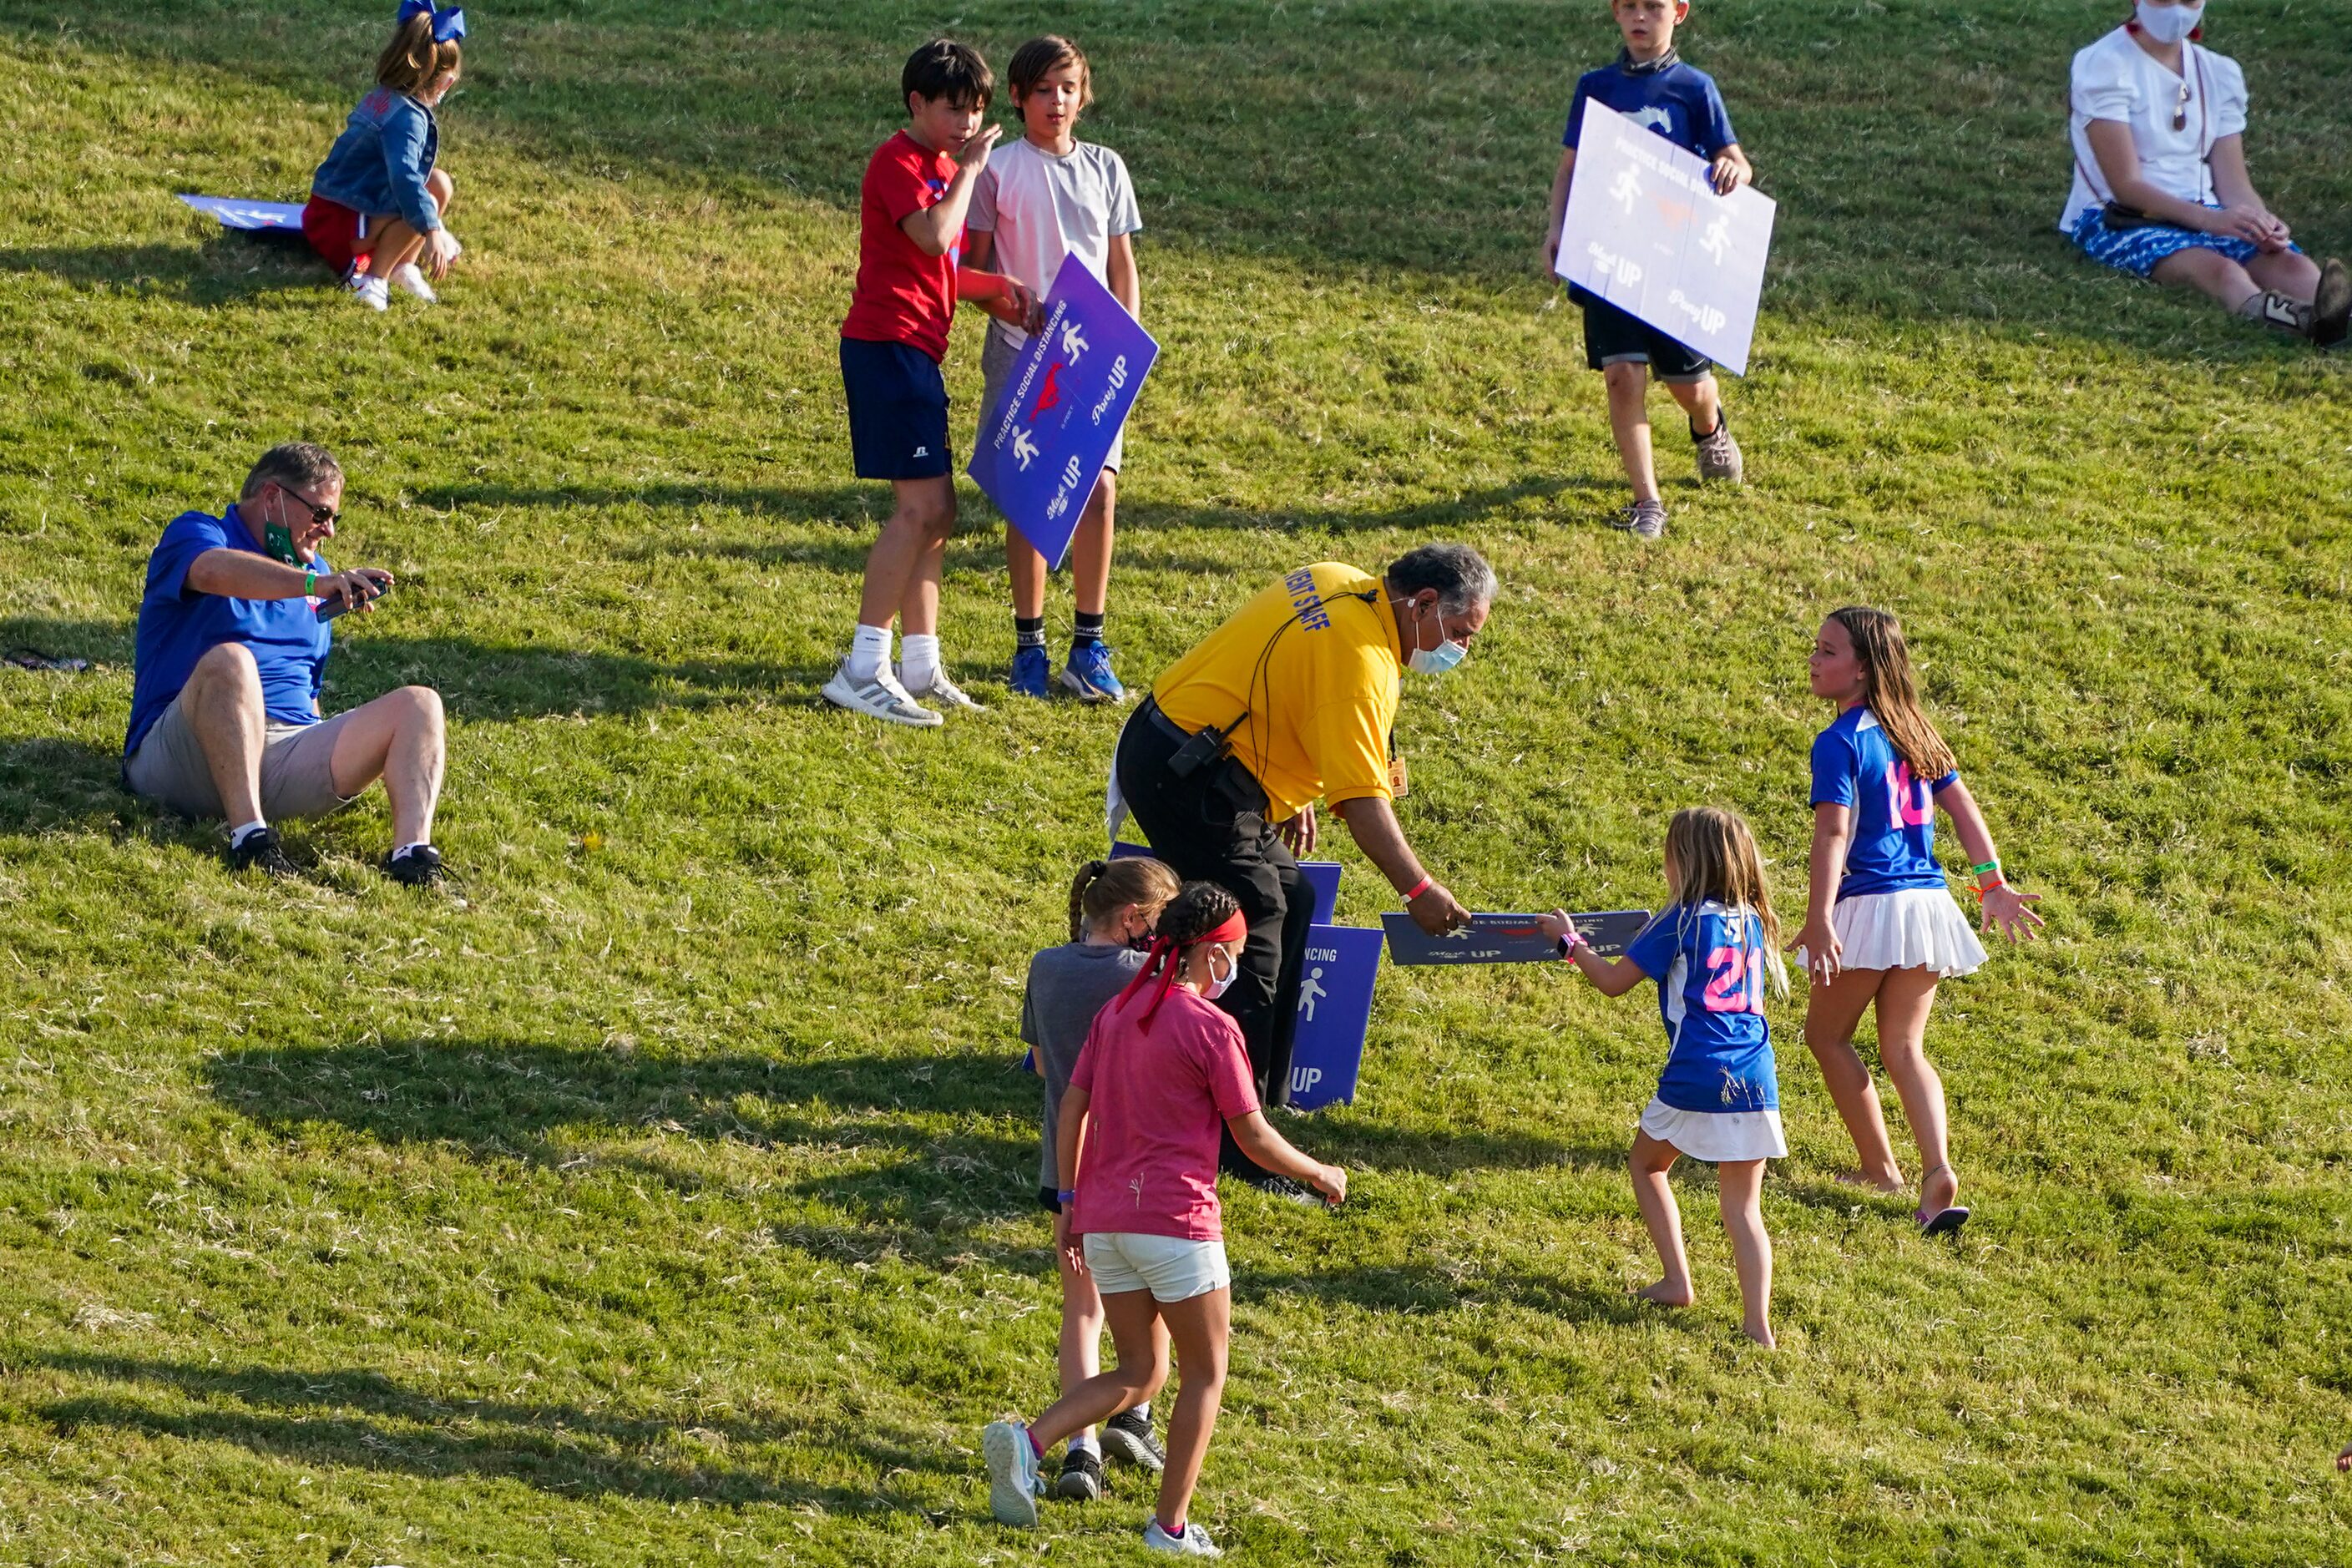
898	411
1613	337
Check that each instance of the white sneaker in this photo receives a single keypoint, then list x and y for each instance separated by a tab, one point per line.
881	697
941	690
1012	1484
369	290
409	278
1193	1542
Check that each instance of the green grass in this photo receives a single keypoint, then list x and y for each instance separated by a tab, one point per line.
666	1197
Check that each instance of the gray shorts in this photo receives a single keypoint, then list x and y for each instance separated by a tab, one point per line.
297	780
998	355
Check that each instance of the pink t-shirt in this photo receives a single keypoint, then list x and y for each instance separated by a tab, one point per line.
1159	1101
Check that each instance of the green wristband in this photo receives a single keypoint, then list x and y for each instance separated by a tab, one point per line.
309	583
1991	864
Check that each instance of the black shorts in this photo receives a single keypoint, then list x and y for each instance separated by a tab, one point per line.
1613	337
898	411
1049	1200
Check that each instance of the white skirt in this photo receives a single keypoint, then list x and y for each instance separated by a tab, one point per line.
1911	928
1717	1135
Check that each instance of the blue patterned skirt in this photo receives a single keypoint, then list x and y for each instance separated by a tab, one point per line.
2138	250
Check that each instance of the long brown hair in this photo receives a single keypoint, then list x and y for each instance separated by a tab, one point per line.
1889	691
1711	853
413	62
1051	52
1103	888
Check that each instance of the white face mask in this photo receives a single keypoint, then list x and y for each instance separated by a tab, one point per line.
2169	24
1219	985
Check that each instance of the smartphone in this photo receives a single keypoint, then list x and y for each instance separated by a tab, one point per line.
329	609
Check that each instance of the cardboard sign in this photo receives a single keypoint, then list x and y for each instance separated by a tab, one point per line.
250	217
1507	939
1646	232
1041	448
1323	876
1335	1011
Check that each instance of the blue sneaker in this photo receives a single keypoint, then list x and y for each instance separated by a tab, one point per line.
1089	673
1032	672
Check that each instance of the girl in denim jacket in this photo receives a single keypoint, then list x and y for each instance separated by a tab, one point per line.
378	203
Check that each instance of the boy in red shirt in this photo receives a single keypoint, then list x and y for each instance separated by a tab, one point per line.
912	204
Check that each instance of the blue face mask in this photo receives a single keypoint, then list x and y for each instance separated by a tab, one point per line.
1439	659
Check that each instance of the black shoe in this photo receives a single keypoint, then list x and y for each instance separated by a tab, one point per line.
2331	310
261	852
417	867
1081	1479
1127	1437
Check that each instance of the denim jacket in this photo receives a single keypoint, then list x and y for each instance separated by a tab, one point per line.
380	161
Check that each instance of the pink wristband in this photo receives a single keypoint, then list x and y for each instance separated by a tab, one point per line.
1417	890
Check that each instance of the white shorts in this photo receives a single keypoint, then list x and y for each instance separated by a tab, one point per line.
1172	1267
1717	1135
1911	928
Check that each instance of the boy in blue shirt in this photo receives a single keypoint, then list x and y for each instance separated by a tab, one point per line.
1649	83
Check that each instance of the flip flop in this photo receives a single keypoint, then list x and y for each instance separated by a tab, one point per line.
1946	1223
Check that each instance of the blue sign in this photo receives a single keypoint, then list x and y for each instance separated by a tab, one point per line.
1040	450
252	217
1507	939
1335	1009
1323	876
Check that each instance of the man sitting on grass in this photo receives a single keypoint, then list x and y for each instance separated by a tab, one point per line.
232	651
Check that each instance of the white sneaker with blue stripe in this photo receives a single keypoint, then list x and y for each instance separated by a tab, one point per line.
1193	1542
1012	1480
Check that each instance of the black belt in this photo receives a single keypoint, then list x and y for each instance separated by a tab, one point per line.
1160	721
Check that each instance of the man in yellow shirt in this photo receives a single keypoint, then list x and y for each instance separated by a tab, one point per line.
1292	701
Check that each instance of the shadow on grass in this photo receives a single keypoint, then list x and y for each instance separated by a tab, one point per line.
363	1420
226	270
48	785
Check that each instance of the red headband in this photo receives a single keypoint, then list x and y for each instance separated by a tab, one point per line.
1165	952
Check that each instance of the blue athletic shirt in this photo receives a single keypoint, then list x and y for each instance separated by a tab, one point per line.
1677	102
1893	843
1709	963
178	625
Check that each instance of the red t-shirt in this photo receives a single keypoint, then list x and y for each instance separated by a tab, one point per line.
902	295
1158	1103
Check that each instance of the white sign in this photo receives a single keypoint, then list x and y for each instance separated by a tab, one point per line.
1646	232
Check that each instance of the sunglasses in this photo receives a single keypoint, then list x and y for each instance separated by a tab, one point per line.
320	516
2181	109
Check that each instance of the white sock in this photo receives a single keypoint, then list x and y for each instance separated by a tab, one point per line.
239	835
869	649
918	655
1084	1443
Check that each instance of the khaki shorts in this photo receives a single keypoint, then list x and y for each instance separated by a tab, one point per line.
997	358
169	768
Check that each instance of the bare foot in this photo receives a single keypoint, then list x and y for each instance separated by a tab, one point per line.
2344	1459
1761	1333
1890	1186
1938	1189
1665	1293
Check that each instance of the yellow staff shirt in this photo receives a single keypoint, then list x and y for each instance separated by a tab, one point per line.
1321	699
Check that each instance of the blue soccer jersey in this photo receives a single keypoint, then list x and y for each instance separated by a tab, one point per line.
1894	810
1677	103
1709	963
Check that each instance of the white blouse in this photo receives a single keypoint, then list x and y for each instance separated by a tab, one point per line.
2115	79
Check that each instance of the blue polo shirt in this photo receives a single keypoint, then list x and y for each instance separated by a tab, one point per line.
1709	963
1893	809
178	625
1677	102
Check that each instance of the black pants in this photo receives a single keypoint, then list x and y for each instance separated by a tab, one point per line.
1212	827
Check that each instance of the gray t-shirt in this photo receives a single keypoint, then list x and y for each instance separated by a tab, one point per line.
1068	987
1042	208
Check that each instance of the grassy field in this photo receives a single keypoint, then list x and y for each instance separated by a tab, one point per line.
664	1196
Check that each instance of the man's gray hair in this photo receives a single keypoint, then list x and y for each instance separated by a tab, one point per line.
1459	574
301	465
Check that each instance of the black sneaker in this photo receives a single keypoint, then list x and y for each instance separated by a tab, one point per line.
2331	311
1127	1437
1081	1479
417	867
261	852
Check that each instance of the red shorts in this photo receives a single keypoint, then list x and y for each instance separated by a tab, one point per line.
333	230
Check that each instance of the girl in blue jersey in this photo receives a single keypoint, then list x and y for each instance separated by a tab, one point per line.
1881	926
1718	1099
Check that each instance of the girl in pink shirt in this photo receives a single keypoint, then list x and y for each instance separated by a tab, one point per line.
1162	1073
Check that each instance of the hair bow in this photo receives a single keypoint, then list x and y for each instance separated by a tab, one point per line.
1167	958
449	27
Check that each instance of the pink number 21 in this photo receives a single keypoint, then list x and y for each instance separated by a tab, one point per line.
1907	796
1731	981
